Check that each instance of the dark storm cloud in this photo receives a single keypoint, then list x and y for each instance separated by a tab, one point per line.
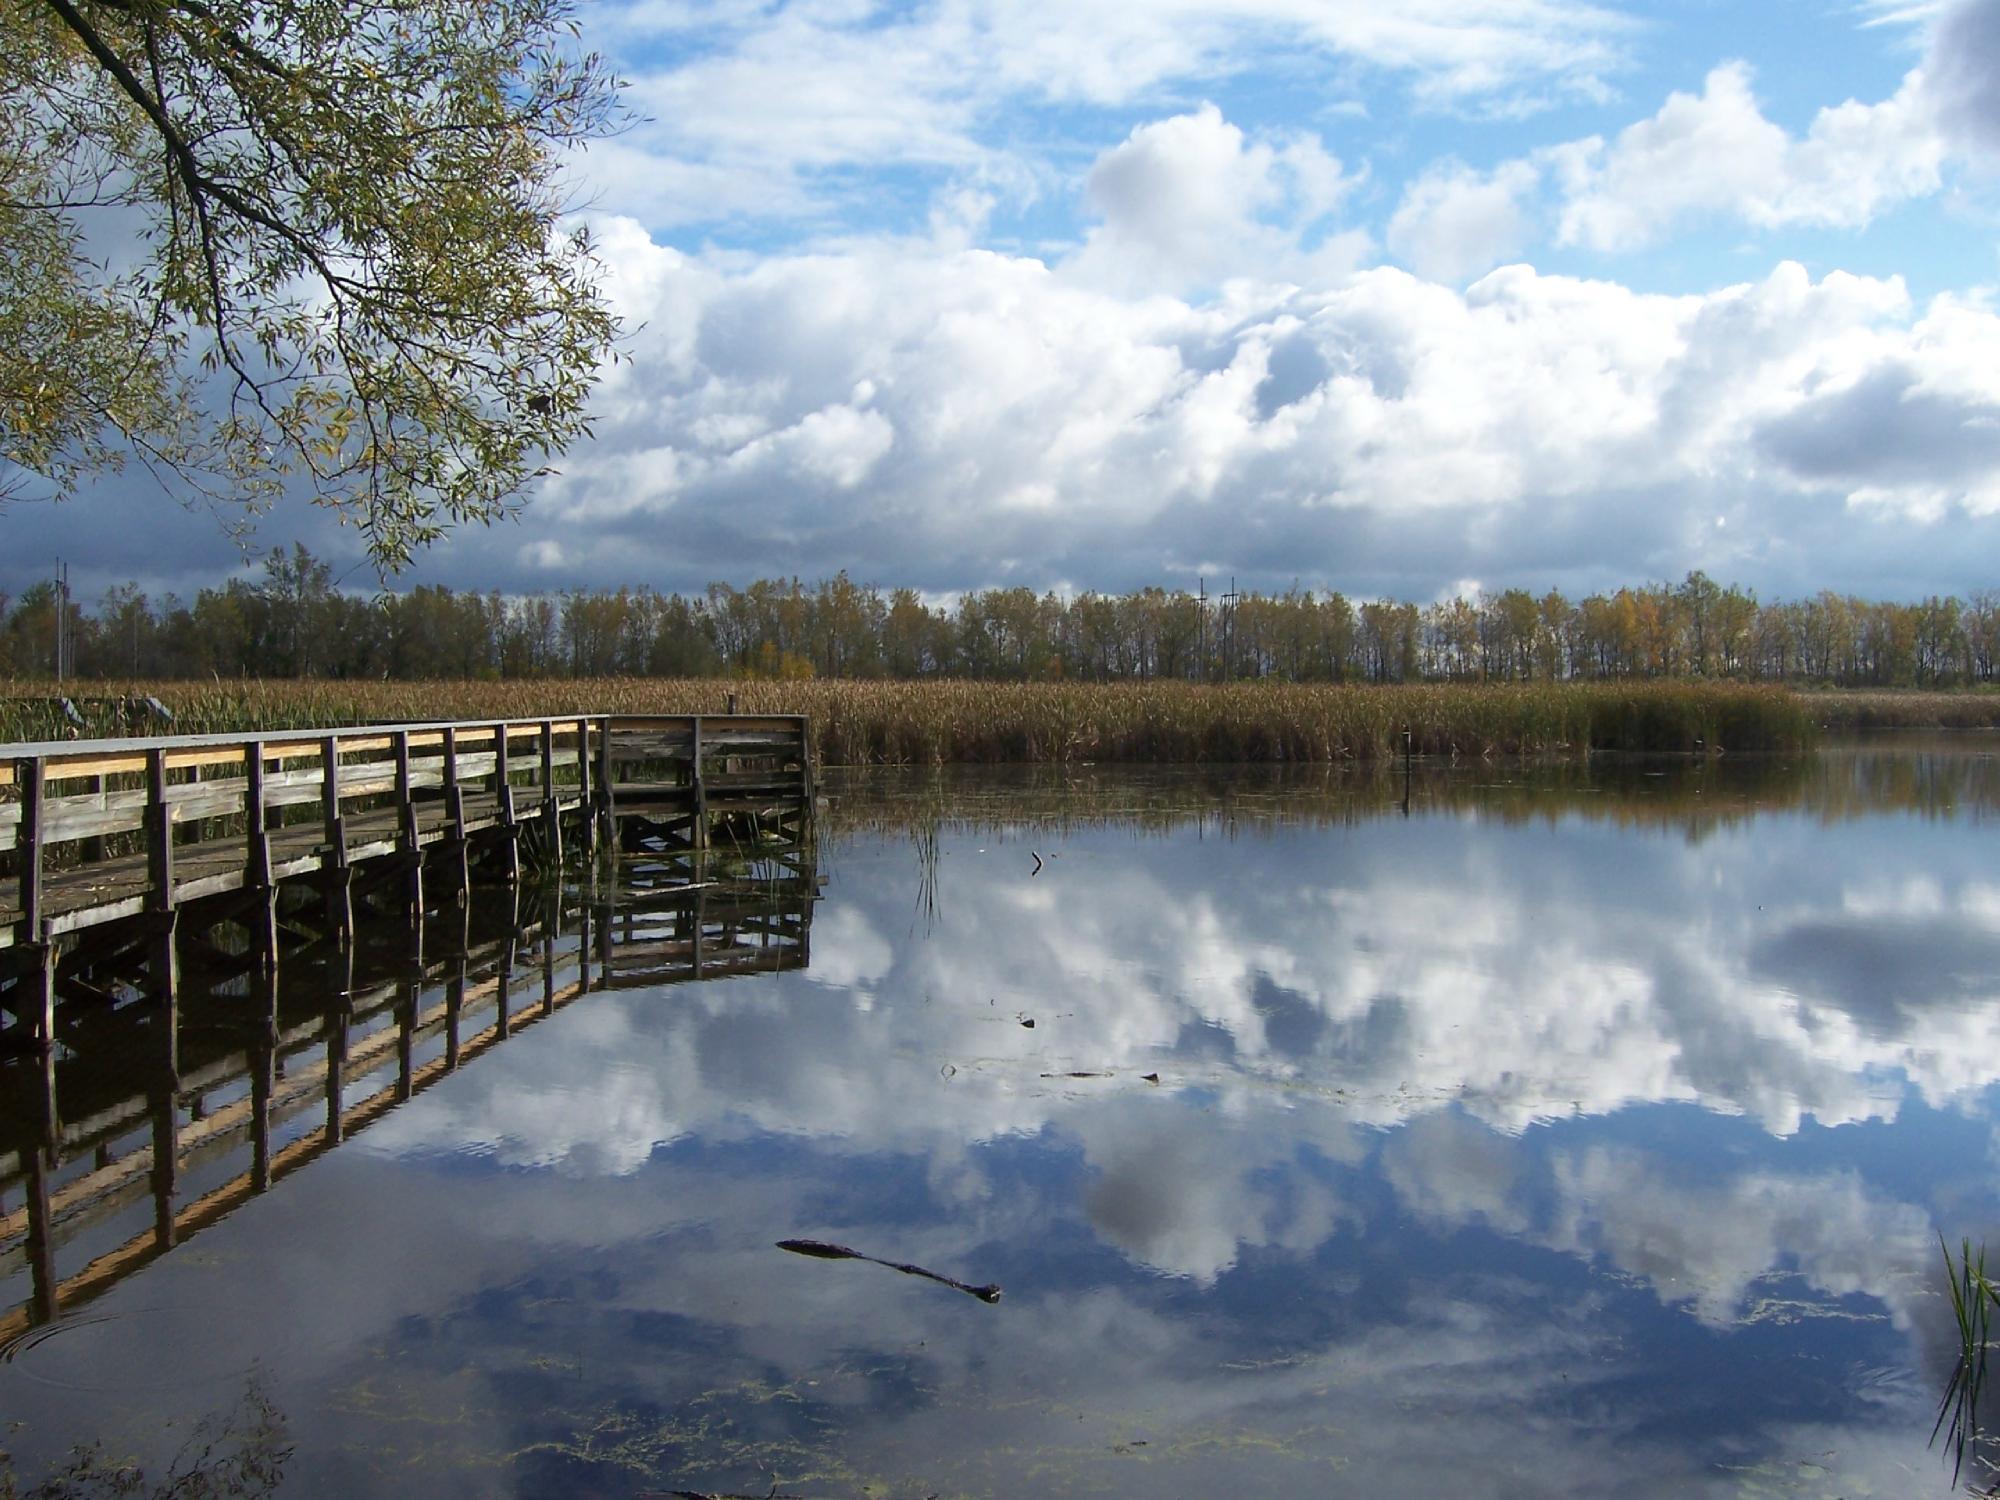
1963	74
1887	429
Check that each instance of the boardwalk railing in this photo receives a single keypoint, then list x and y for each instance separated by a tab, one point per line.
93	832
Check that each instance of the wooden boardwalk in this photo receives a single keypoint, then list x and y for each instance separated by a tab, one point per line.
169	893
100	832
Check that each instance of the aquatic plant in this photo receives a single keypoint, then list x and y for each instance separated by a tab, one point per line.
236	1454
1973	1298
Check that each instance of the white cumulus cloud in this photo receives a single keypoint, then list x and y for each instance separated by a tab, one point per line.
1191	201
1454	222
959	419
1717	154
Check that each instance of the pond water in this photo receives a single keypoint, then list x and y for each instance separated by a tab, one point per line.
1512	1130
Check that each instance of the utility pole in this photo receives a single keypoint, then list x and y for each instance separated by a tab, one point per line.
62	620
1228	625
1201	628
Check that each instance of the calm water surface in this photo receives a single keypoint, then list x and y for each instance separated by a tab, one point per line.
1558	1131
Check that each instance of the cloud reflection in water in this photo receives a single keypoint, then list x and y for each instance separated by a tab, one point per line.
1548	1157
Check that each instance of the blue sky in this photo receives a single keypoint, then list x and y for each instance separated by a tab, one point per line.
1393	298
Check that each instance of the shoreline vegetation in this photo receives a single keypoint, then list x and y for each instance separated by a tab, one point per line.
1862	708
939	723
1067	723
950	722
296	623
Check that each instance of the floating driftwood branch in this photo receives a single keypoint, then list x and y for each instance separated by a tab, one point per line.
820	1250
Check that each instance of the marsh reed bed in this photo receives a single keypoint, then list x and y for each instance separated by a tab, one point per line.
936	723
1904	708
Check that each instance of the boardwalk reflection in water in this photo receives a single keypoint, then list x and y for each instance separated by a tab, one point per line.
154	1118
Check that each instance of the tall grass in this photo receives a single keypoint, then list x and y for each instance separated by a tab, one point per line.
935	723
1973	1298
1905	708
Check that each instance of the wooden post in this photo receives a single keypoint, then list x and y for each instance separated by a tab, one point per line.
40	1011
454	791
408	1015
51	1123
551	816
409	837
809	779
43	1019
28	775
266	933
159	835
418	919
336	877
606	787
513	915
165	967
166	1091
256	818
406	1038
41	1157
263	1077
166	1165
454	1007
336	1065
454	815
585	796
336	829
503	786
502	992
699	830
41	1236
503	792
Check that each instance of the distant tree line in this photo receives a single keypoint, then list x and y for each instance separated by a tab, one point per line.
295	623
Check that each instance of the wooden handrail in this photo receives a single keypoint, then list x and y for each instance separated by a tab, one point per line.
65	760
68	759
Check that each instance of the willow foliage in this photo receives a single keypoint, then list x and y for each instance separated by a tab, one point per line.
271	246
